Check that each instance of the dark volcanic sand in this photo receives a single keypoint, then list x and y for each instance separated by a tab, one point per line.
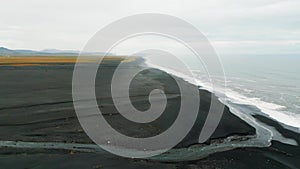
36	106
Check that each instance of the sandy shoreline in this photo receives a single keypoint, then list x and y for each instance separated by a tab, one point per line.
36	106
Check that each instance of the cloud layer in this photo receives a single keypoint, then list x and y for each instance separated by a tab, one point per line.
233	26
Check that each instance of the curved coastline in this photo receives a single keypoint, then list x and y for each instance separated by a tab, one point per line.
52	119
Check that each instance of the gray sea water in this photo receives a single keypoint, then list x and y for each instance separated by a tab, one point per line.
270	82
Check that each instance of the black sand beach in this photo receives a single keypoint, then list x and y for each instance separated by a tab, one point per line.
36	106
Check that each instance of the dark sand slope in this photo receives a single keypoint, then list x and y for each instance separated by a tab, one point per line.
36	106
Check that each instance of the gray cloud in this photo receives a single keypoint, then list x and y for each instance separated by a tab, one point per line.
231	25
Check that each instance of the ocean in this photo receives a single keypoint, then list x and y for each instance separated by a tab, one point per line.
267	85
269	82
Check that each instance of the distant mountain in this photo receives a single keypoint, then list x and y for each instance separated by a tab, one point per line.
4	51
45	52
10	52
59	51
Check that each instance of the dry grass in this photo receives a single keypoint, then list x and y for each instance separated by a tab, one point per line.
47	60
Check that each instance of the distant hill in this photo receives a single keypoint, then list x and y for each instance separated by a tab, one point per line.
59	51
45	52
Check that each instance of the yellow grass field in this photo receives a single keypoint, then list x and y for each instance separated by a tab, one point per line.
46	60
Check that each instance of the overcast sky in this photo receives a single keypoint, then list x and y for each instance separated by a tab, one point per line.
233	26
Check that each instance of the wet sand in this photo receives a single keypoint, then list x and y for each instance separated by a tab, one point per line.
36	106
